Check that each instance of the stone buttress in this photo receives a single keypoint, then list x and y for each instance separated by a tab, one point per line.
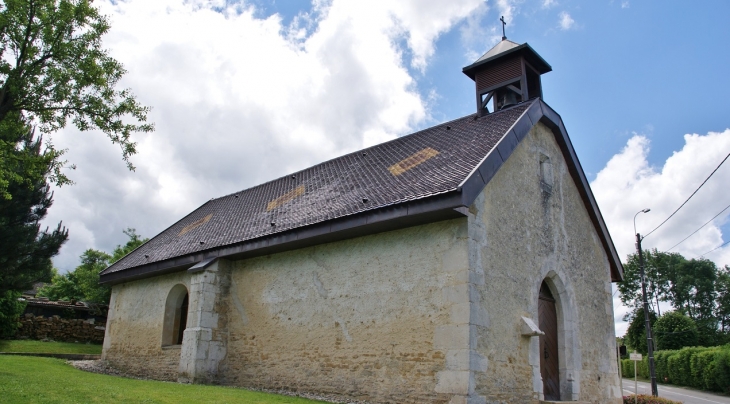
206	337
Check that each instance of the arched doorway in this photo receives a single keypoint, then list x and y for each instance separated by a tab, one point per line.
176	316
549	366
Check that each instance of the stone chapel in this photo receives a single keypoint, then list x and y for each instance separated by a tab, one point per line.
464	263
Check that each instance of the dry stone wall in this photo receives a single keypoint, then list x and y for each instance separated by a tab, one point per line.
59	329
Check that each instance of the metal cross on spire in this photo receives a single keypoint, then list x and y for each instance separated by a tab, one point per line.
504	36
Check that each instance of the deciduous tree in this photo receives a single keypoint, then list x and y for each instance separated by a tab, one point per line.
656	264
83	282
635	336
722	309
693	287
53	69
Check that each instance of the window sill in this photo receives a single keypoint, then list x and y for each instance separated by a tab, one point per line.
165	347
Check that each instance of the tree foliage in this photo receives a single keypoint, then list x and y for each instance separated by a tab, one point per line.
674	330
692	288
10	310
53	70
722	287
656	264
695	287
635	337
25	250
83	282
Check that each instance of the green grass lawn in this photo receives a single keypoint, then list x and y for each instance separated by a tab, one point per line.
25	379
48	347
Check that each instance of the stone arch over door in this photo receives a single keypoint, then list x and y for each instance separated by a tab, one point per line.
567	344
176	314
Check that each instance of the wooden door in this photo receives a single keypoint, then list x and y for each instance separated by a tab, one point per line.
548	319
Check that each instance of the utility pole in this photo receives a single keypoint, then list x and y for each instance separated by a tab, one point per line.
649	339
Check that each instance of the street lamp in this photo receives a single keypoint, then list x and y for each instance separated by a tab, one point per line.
649	339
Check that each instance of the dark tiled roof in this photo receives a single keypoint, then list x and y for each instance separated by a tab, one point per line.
430	162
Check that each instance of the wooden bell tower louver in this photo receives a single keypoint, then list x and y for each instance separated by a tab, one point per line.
507	74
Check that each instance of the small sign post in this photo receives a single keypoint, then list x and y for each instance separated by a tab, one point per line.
635	357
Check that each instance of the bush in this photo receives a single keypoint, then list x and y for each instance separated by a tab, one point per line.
643	367
702	368
698	364
661	365
10	310
684	362
674	330
644	399
716	373
627	368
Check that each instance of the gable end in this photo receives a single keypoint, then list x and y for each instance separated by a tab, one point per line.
539	111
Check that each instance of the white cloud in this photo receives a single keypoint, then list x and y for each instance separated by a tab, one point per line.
624	4
239	98
566	21
549	3
507	9
628	184
478	37
474	31
423	21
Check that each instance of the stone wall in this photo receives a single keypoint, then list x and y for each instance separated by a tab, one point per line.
530	225
133	340
357	317
360	318
59	329
432	313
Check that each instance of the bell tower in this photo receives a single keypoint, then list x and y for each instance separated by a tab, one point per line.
507	74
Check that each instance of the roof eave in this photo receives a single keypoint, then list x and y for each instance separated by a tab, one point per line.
449	205
533	57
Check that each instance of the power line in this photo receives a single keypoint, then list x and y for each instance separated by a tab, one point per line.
726	207
721	245
690	197
672	332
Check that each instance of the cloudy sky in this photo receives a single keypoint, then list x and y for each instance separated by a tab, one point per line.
246	91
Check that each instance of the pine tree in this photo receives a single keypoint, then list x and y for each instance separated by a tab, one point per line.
25	250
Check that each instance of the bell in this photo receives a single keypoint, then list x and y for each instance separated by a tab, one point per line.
507	98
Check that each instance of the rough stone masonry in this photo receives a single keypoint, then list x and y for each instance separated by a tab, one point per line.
431	313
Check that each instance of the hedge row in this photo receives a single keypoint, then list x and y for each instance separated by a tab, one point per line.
701	368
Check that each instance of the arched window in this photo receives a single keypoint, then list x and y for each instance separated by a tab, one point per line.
176	316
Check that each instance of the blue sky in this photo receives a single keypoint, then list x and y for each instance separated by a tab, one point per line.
647	68
244	92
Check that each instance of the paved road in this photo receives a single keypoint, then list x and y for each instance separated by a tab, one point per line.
686	396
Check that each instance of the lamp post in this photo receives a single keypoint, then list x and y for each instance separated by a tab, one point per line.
649	339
